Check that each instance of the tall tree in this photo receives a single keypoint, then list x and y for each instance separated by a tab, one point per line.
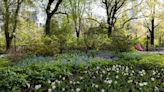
76	9
50	12
151	18
10	18
112	8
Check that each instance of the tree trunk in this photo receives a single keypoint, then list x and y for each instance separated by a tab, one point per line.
109	31
160	41
50	13
8	41
16	15
9	35
152	38
77	34
77	29
48	23
152	32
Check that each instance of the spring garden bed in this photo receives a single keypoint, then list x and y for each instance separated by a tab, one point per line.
73	77
133	72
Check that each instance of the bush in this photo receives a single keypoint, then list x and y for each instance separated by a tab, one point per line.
96	38
47	46
121	42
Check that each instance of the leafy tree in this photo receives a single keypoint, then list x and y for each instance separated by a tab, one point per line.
112	8
151	17
30	33
62	33
152	20
10	12
76	9
50	12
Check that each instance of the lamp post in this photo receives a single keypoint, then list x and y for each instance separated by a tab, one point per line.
14	35
147	41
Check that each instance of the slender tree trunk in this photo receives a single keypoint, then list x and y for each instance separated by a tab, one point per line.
160	41
77	28
152	38
152	32
152	27
48	23
19	2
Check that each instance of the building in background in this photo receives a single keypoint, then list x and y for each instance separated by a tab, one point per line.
36	15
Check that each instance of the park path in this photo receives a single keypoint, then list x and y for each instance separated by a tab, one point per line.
159	50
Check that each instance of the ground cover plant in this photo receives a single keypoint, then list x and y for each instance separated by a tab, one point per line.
94	76
81	46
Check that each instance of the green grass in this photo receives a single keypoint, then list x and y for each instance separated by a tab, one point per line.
142	58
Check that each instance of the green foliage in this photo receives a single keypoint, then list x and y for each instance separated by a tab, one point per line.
28	32
95	76
76	57
121	42
31	41
52	44
142	58
95	38
153	59
44	47
2	41
4	62
33	60
48	47
131	56
12	81
61	34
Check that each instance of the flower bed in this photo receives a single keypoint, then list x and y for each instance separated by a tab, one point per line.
75	77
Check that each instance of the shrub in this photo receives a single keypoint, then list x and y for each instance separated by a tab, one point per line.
45	47
121	42
96	38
